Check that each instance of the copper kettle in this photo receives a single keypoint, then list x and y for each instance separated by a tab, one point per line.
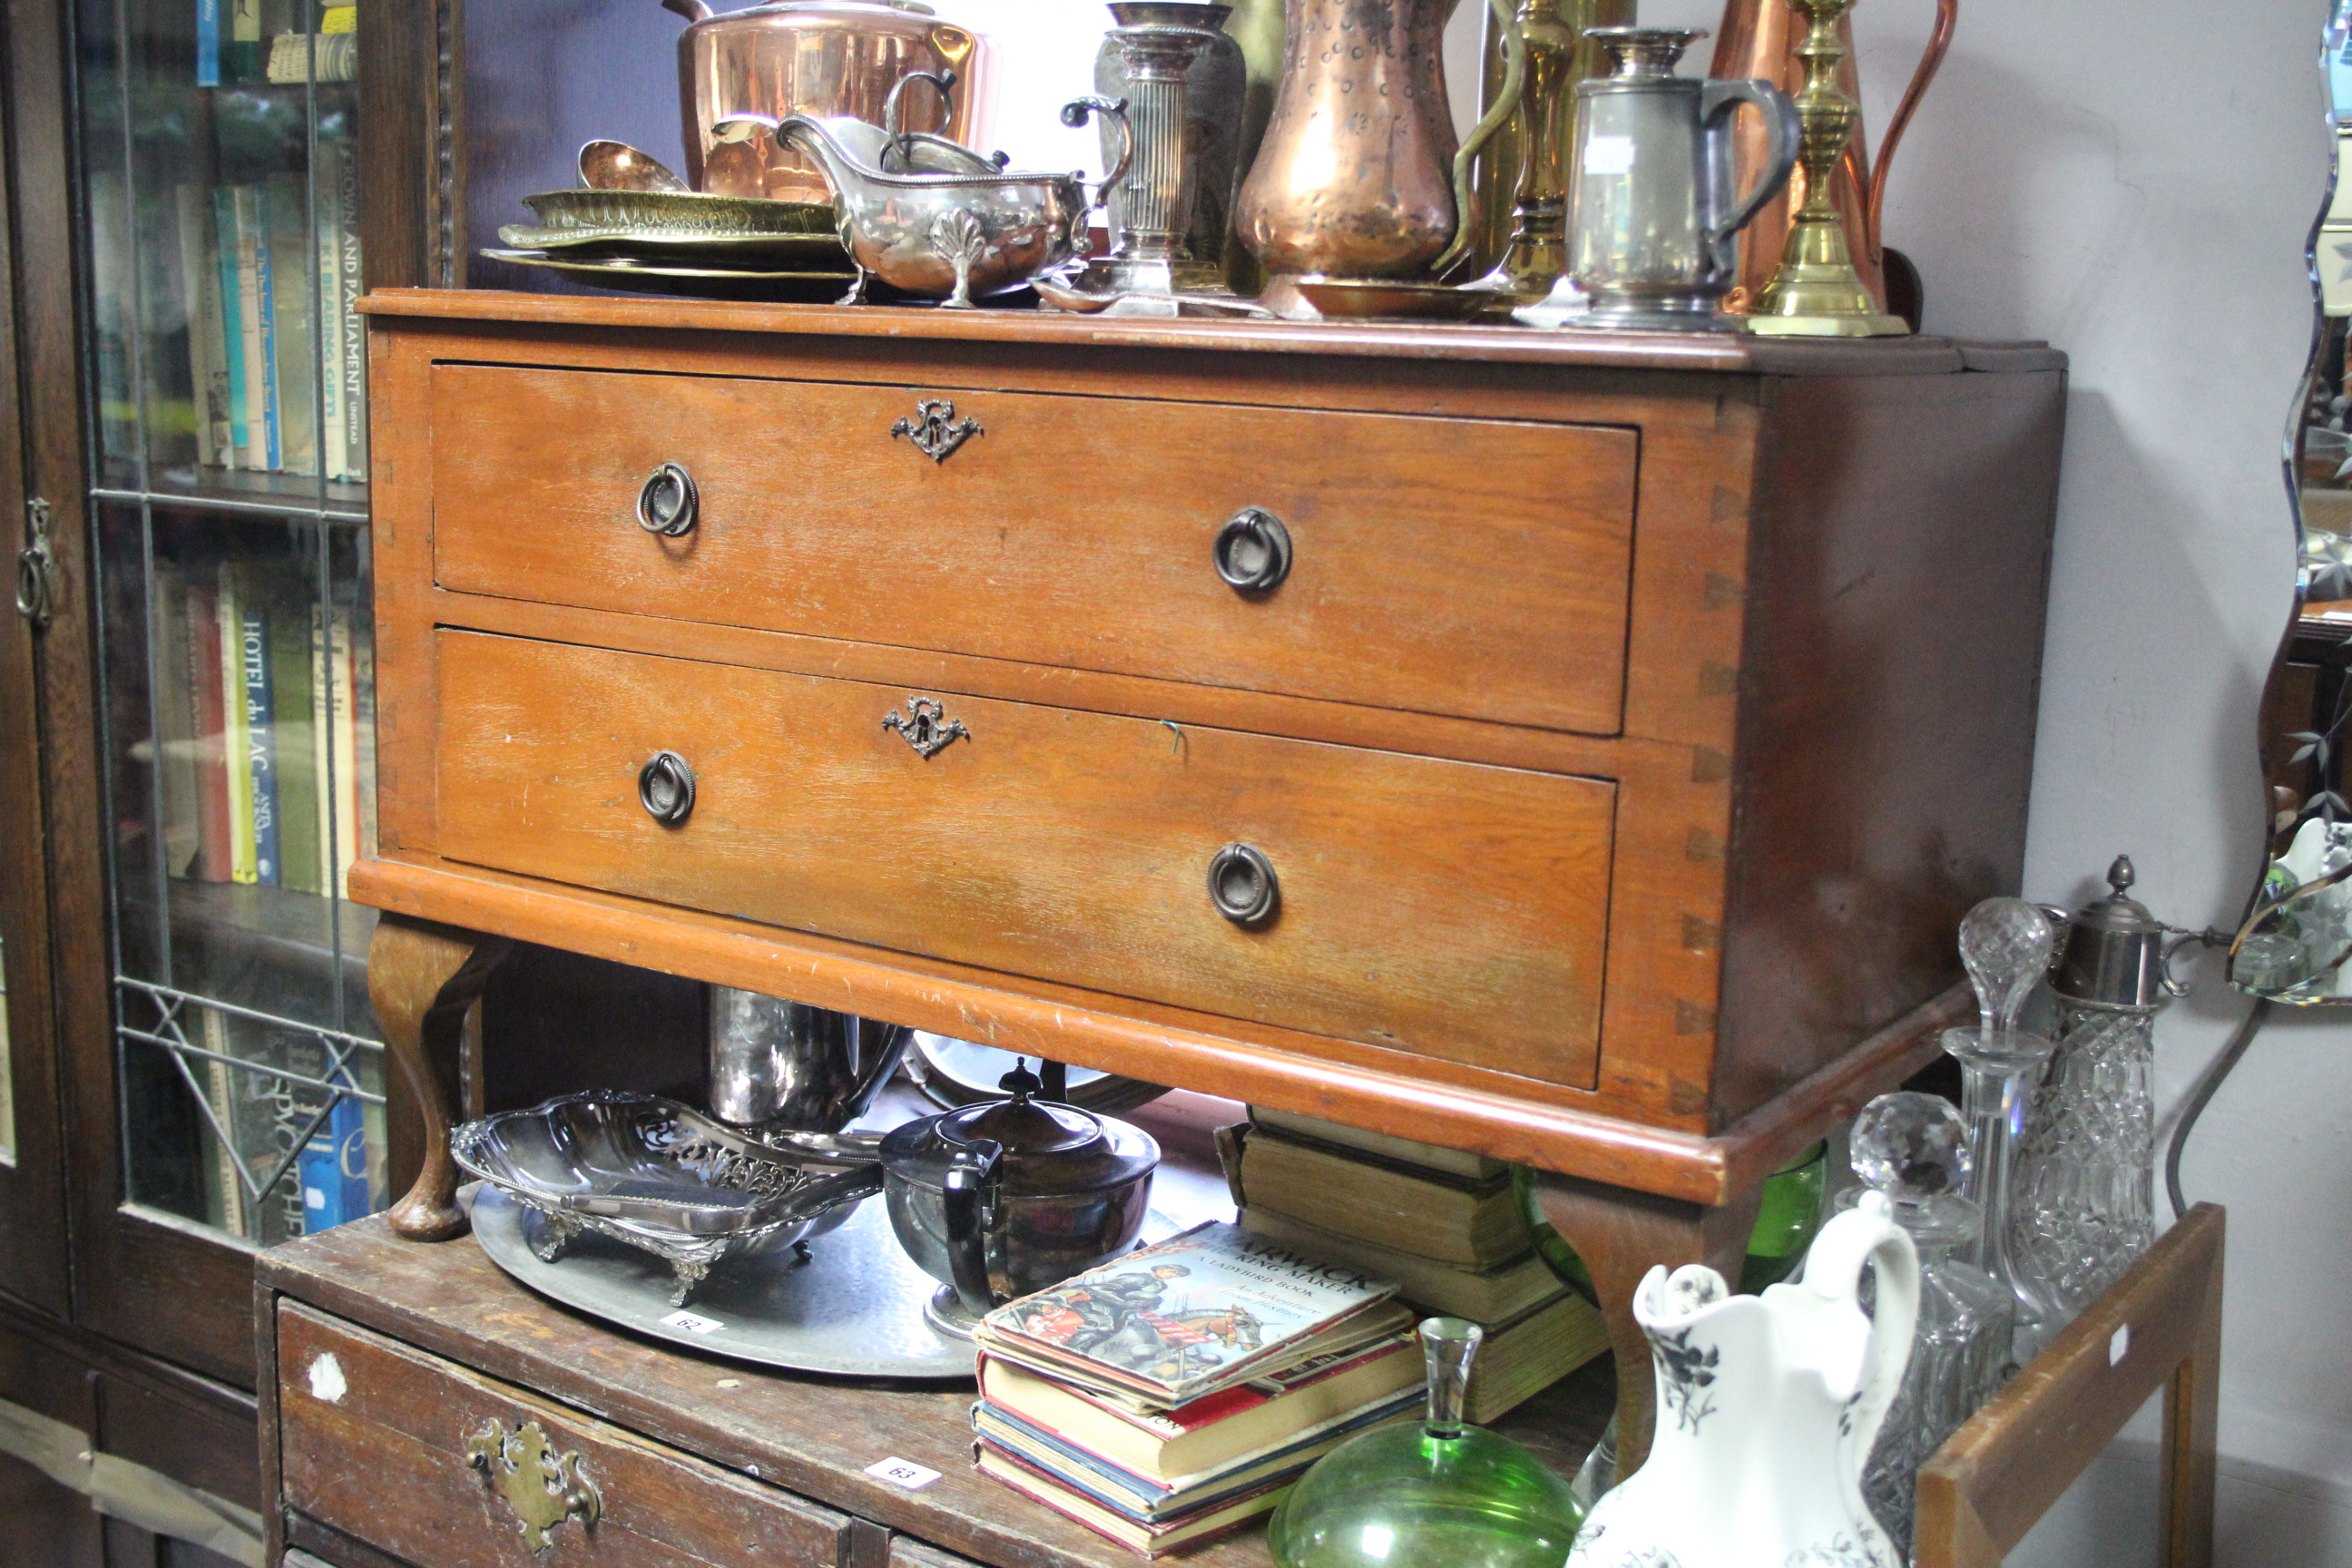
821	58
1758	38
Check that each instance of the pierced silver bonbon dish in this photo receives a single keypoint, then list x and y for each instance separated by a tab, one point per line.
659	1176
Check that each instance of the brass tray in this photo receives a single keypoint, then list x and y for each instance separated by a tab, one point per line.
657	246
636	275
678	213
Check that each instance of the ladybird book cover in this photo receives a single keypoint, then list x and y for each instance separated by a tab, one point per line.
1193	1314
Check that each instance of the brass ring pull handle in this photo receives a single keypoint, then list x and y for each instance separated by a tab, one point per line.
667	501
666	789
1243	886
1252	550
542	1487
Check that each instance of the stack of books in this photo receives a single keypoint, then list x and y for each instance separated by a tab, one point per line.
1448	1225
1177	1393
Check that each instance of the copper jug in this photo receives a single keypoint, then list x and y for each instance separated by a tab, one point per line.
1759	38
1353	178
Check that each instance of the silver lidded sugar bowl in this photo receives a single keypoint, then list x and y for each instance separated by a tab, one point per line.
1009	1196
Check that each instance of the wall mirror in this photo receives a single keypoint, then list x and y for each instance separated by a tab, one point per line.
2297	935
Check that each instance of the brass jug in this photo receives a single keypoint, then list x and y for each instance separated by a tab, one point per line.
1758	38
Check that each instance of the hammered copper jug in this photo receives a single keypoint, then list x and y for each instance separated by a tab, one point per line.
1758	38
1353	179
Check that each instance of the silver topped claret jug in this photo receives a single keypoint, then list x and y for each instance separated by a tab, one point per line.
2085	1205
1653	223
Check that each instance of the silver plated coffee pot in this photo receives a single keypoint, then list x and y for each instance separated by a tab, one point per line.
1653	223
780	1065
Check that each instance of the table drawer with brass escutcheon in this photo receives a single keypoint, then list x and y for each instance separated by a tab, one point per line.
1472	567
447	1469
1446	909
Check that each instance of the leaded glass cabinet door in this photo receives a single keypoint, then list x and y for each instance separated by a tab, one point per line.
225	427
32	1186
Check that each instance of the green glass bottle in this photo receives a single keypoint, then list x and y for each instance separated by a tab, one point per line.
1437	1493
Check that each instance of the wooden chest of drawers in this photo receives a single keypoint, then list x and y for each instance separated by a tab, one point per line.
1622	739
1576	747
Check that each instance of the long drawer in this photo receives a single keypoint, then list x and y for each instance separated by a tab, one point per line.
414	1455
1449	908
1461	567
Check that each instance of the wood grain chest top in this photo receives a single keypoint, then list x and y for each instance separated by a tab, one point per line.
1635	719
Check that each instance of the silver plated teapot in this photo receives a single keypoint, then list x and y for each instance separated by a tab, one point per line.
1008	1197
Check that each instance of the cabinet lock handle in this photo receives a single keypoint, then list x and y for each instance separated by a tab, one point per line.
667	501
541	1487
666	789
1252	550
1243	886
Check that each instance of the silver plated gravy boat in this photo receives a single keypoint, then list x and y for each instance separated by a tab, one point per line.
944	233
661	1177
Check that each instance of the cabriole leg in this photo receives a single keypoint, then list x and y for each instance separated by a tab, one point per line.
1621	1235
422	978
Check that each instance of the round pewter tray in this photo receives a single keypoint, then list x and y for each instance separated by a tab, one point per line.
853	1309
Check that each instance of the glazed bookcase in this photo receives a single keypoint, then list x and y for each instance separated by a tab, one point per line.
227	503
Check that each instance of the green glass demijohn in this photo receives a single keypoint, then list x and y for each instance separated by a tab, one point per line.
1438	1493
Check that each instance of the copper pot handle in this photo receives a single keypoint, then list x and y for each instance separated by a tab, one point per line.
1075	114
1948	16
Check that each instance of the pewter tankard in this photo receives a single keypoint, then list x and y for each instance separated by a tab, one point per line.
1654	230
778	1064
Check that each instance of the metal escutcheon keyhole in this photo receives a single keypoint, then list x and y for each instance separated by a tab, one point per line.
666	789
1252	550
1243	886
667	501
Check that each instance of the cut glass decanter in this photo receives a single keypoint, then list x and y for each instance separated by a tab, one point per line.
1914	1148
2005	945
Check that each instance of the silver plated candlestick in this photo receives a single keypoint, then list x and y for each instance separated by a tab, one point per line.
1152	260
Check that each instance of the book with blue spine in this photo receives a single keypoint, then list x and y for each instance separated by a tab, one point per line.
265	298
208	42
333	1169
232	309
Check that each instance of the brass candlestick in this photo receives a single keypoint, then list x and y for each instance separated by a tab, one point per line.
1537	251
1816	292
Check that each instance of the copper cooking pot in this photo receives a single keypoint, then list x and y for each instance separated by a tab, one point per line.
818	57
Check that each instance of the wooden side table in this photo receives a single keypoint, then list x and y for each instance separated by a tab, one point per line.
2159	1327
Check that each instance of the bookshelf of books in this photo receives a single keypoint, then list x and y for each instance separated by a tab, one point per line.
228	506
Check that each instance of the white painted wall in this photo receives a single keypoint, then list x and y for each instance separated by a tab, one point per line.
2134	182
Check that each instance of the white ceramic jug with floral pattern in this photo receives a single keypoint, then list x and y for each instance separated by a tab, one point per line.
1767	1409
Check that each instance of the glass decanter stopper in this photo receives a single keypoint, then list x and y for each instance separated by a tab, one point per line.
1436	1493
1914	1148
2005	945
2085	1202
